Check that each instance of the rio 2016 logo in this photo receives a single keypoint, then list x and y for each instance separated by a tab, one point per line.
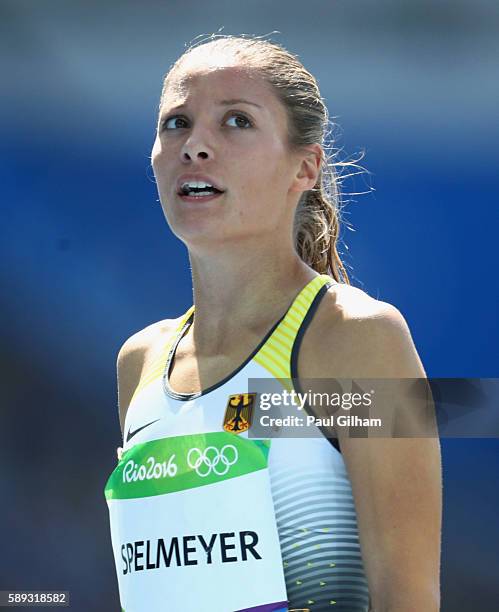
133	471
204	462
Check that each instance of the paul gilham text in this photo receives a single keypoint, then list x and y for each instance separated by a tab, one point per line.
341	420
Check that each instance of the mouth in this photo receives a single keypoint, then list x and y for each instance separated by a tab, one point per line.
199	198
199	194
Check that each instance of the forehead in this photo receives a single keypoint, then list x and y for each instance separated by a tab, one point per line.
219	77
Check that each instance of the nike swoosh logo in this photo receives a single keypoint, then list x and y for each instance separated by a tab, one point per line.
133	433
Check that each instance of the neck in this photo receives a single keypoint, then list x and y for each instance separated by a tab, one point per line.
245	292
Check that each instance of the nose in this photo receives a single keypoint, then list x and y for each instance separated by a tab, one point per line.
194	149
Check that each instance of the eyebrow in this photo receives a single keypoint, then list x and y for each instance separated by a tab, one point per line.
238	101
222	103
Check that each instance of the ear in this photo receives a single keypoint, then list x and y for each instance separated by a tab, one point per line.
309	165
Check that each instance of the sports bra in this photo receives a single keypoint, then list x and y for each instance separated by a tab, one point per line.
205	518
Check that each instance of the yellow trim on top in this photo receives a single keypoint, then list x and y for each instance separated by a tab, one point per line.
275	355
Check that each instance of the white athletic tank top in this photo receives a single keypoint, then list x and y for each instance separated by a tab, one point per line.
206	519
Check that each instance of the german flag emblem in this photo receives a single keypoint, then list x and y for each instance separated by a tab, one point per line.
239	412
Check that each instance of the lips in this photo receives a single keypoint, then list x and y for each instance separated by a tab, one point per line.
185	178
198	199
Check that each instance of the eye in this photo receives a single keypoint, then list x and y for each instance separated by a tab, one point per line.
174	123
171	123
239	121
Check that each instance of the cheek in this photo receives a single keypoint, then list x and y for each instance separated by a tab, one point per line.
155	154
159	158
156	147
263	167
270	175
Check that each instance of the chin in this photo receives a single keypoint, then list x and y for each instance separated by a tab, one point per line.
192	230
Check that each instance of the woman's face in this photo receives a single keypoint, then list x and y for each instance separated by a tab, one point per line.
223	125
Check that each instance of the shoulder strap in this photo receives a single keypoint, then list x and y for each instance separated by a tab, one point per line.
275	354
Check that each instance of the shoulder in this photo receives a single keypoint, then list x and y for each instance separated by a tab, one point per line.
355	335
133	357
139	342
134	351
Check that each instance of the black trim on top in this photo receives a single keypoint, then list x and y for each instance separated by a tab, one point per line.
168	365
297	343
189	396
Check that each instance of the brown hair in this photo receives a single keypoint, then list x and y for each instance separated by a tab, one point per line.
317	219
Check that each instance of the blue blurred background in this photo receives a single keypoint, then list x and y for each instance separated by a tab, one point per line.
87	258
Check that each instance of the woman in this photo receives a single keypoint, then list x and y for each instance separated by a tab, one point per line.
204	517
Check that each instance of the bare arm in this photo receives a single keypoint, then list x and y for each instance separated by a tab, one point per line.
128	371
396	482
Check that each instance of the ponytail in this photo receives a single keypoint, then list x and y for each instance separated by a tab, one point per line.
317	224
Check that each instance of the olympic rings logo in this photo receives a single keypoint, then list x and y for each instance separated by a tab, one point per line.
212	459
